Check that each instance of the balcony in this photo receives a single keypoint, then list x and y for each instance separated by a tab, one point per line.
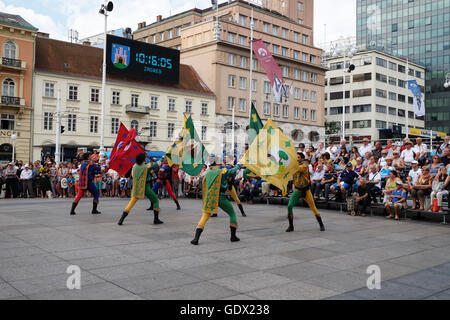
129	108
12	101
13	63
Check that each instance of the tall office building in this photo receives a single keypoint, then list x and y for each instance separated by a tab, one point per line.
419	30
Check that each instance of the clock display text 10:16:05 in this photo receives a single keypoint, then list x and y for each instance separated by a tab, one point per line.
154	61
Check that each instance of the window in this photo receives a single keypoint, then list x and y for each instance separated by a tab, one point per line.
204	130
284	51
300	6
116	97
154	38
242	20
232	59
381	93
297	74
305	114
170	130
380	124
401	69
362	108
411	72
312	59
362	124
72	122
394	27
338	95
242	105
338	110
254	64
266	108
296	54
392	96
392	81
296	36
243	62
231	81
254	85
360	93
134	100
380	109
265	27
275	49
9	50
171	104
285	71
304	56
48	120
392	66
410	100
411	24
204	108
419	74
93	124
305	95
231	37
73	92
313	115
49	90
284	33
300	21
95	95
276	109
152	129
162	36
188	106
314	77
392	111
381	77
297	93
275	30
114	125
242	40
267	87
7	121
401	98
153	102
401	83
381	62
304	39
285	111
401	113
231	103
305	76
178	31
297	113
361	77
313	96
170	34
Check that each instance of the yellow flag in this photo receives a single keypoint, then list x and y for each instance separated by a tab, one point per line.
175	151
272	156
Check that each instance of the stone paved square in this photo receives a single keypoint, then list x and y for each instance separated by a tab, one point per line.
39	240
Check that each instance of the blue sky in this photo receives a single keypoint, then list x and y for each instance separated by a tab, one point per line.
58	16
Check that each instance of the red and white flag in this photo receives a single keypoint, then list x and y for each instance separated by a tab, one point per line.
272	69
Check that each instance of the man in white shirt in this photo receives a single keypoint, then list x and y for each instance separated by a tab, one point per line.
374	183
316	179
27	182
408	154
344	144
446	143
332	150
421	151
366	147
413	175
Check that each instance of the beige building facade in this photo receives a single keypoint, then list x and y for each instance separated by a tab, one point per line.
222	58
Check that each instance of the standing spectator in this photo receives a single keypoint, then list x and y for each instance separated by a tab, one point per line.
95	156
76	178
26	177
63	174
330	177
19	182
421	152
446	143
408	155
445	159
332	150
71	184
397	199
11	181
316	180
377	152
53	179
79	156
366	147
98	181
361	198
115	182
374	183
435	166
123	186
440	188
1	180
422	188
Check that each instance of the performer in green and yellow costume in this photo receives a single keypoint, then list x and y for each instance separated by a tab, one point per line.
302	183
142	188
215	186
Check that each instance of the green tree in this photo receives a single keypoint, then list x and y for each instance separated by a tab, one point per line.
331	128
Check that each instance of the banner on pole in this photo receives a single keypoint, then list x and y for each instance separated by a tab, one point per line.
419	104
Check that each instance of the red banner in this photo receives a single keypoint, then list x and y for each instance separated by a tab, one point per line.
123	156
271	67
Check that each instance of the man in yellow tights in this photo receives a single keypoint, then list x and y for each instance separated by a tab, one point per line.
215	186
142	188
302	183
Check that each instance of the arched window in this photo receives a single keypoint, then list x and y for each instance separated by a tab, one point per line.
8	87
135	125
9	50
297	135
314	136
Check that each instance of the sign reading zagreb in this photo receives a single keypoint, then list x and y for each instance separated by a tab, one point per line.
142	61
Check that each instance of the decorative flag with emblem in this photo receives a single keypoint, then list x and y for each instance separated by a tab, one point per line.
272	69
255	125
123	155
188	152
419	104
272	156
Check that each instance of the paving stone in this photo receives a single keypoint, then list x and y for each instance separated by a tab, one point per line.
195	291
28	261
218	270
343	261
245	283
239	297
302	271
427	280
267	262
128	270
341	281
293	291
388	270
187	262
8	292
104	261
421	260
308	254
391	290
33	271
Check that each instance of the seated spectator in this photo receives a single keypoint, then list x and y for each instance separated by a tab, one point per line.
342	156
445	159
371	162
435	165
422	188
437	151
387	168
421	152
366	159
361	198
345	181
398	162
359	168
325	158
341	166
393	149
396	199
388	147
377	151
382	160
440	187
330	177
316	180
366	147
332	150
355	151
413	175
408	155
391	184
374	183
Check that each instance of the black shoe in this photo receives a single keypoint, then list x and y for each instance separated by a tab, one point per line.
156	219
151	207
241	208
198	232
124	215
72	211
319	219
178	205
291	224
94	208
214	215
233	235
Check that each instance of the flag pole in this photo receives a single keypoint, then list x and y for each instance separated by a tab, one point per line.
407	112
251	64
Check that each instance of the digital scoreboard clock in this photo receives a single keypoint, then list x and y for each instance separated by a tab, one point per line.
142	61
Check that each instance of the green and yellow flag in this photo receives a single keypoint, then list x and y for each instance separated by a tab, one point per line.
255	125
188	152
272	156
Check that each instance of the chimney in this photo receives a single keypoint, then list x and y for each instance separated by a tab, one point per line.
86	43
158	18
142	25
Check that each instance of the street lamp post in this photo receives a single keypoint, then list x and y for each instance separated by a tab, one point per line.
13	139
105	8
